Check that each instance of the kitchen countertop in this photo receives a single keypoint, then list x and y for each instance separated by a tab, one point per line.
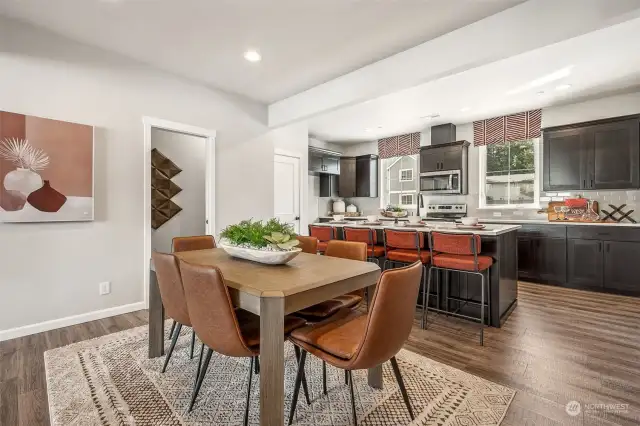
558	222
490	230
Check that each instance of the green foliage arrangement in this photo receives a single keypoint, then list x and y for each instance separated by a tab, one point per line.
391	208
272	235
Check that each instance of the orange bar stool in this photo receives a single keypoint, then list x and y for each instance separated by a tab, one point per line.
460	253
368	236
324	234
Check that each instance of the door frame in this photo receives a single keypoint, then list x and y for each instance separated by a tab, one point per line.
302	188
150	123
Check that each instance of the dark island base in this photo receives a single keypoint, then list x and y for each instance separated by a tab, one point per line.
503	287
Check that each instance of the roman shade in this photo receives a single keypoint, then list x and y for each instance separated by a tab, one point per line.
507	128
397	146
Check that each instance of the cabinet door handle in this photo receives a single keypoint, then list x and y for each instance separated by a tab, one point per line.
599	247
584	183
591	184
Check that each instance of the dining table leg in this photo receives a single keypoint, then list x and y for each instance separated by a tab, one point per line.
375	374
156	318
272	361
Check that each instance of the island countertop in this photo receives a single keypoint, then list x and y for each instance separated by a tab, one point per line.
490	230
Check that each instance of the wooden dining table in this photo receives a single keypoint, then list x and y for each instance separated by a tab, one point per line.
273	291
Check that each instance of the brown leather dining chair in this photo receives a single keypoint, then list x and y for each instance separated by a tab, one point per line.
196	242
228	331
346	250
308	244
172	294
352	340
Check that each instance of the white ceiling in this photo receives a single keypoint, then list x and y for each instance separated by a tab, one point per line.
303	42
594	64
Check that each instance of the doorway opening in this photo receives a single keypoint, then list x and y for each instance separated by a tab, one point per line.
179	185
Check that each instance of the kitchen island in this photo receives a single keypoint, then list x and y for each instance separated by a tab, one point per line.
498	241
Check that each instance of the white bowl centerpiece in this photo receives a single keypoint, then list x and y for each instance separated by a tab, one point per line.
271	243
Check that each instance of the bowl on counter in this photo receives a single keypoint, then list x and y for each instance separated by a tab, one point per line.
372	218
469	221
338	217
414	219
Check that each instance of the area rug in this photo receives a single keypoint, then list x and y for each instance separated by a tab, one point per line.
110	381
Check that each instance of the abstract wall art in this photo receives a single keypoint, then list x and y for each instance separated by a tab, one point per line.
46	169
163	189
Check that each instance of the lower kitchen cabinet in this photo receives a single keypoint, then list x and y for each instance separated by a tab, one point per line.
585	264
622	266
542	259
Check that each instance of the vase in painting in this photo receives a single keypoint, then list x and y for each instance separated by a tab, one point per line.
47	199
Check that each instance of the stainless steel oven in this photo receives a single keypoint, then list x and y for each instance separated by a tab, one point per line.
442	182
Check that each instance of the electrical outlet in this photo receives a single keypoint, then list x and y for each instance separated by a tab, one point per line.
105	288
497	214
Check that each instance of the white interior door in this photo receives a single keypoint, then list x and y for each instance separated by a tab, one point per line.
286	191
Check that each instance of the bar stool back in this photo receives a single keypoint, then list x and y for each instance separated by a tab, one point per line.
324	234
368	236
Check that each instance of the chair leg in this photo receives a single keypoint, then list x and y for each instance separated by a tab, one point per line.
425	295
199	365
246	408
173	327
324	377
256	365
305	387
403	390
424	307
203	372
296	387
193	343
346	377
353	398
173	345
482	280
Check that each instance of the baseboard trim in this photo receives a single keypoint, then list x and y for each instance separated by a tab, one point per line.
13	333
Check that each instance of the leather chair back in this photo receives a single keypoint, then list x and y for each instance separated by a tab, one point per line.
390	316
362	235
464	244
322	233
308	244
171	289
347	250
408	240
199	242
212	314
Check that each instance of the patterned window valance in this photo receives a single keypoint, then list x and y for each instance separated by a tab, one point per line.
508	128
397	146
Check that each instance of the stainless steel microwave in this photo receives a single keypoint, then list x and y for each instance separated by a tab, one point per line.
442	182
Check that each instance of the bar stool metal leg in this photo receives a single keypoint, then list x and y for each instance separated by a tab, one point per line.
424	311
482	280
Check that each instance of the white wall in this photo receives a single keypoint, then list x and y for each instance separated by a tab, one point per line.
188	153
52	271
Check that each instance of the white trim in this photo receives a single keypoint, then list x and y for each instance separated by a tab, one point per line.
406	180
13	333
482	175
210	176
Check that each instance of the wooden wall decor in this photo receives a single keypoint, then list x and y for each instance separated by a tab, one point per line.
163	189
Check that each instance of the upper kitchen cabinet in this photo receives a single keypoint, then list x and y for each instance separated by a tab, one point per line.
602	154
324	161
447	156
358	176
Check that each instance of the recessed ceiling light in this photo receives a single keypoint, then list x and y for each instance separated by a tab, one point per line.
540	93
465	109
430	116
563	87
368	129
252	56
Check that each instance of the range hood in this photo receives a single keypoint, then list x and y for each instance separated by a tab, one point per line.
443	133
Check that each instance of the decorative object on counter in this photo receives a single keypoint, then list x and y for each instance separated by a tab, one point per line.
338	217
469	221
271	243
394	212
618	210
372	218
36	150
414	219
338	206
573	210
352	209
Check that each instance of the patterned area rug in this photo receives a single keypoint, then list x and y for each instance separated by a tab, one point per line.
110	381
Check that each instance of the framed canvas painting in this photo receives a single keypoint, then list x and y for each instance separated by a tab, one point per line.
46	169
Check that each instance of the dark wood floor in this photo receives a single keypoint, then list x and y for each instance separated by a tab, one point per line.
559	345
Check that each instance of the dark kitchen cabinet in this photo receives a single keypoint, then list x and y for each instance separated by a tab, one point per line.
367	176
328	185
347	181
542	259
622	266
448	156
602	154
614	155
585	264
562	160
527	269
324	161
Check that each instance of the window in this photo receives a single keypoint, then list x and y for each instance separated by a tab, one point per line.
407	199
406	175
399	183
510	175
